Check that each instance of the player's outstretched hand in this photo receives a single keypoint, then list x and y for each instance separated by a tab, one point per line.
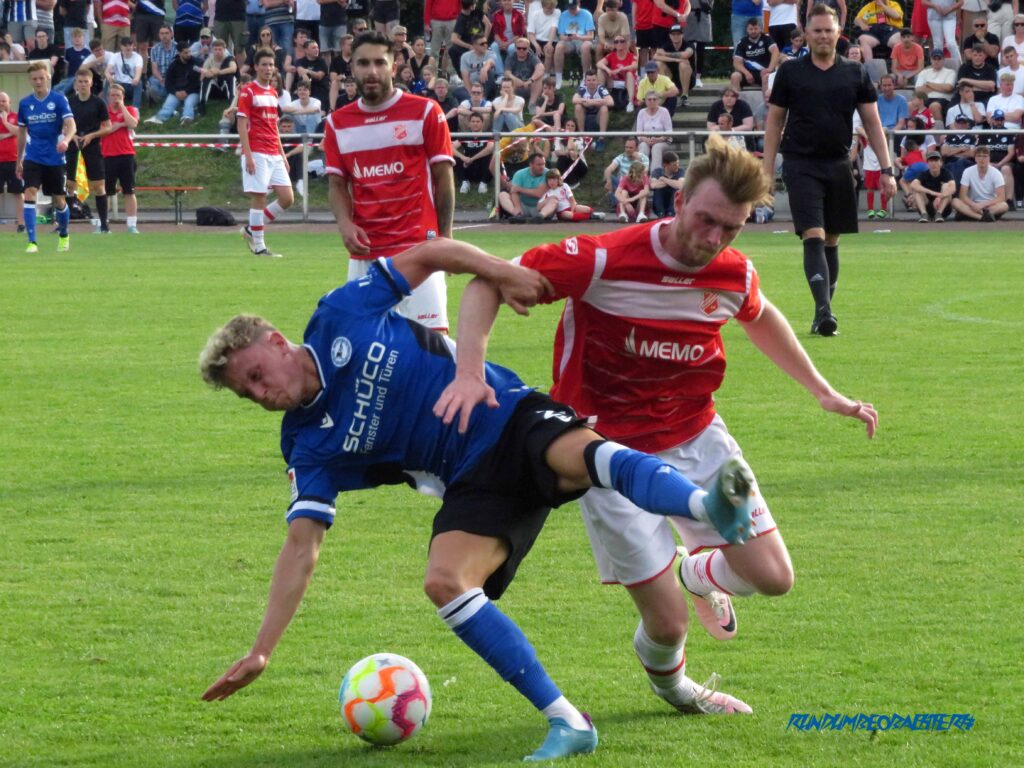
461	396
521	288
355	239
855	409
241	673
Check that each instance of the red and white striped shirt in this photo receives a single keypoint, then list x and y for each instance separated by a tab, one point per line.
116	13
258	103
386	152
638	345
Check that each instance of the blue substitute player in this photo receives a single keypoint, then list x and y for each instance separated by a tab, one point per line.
47	127
361	397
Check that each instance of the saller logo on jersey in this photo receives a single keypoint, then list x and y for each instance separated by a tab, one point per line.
376	171
664	350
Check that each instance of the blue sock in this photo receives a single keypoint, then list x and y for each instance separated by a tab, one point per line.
30	221
63	217
645	480
497	640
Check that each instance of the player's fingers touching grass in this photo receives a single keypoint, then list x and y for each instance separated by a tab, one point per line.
855	409
241	673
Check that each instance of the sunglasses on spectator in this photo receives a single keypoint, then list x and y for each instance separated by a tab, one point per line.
1018	24
619	40
522	48
982	24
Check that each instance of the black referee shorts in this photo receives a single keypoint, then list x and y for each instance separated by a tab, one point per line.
510	492
822	194
93	161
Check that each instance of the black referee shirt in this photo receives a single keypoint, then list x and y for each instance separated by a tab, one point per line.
89	114
821	105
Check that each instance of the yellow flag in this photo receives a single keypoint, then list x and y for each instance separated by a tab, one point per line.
81	180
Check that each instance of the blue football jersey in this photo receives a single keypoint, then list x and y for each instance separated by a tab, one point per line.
44	119
373	423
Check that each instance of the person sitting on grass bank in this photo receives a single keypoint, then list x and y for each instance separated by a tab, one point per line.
558	202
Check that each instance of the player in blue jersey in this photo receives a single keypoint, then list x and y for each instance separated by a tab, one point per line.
362	401
46	128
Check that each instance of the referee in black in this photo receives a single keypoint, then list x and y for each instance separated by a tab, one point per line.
91	114
818	94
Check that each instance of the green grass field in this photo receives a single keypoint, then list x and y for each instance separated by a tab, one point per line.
142	514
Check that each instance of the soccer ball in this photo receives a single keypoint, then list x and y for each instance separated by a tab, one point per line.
385	699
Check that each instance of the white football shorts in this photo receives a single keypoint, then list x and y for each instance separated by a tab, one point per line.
631	546
428	304
270	173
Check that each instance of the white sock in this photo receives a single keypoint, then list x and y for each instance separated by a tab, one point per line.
665	664
710	571
561	707
272	211
256	227
133	221
558	79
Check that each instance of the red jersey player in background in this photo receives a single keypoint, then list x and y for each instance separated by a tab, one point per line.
117	144
639	350
9	180
264	166
389	159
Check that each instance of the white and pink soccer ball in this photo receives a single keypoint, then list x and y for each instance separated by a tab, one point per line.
385	699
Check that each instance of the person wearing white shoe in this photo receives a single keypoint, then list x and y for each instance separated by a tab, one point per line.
118	147
639	350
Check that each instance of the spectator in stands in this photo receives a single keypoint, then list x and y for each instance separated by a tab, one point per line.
1017	38
665	182
306	111
1000	19
783	21
439	17
254	14
515	149
114	17
480	66
1006	101
470	24
892	106
6	51
508	107
44	18
550	107
507	23
350	92
797	46
742	114
742	12
558	202
631	194
400	48
476	104
74	55
653	129
441	93
676	56
908	59
965	106
76	14
229	25
182	84
202	47
611	24
618	73
473	159
879	22
970	13
420	59
542	31
334	25
1013	67
982	195
45	50
98	60
933	190
385	15
10	182
620	166
160	57
1001	151
125	68
312	67
754	58
340	69
218	77
725	125
591	104
958	148
525	190
935	86
298	51
264	39
307	17
942	25
570	157
576	32
279	17
697	31
188	21
525	70
979	74
661	84
985	38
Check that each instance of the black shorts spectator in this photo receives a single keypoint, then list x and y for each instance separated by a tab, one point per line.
51	179
147	27
93	161
822	194
9	180
121	169
650	38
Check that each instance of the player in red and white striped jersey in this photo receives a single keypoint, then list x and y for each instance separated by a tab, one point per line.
264	165
389	159
639	350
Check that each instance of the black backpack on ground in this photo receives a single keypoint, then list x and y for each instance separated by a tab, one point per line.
208	216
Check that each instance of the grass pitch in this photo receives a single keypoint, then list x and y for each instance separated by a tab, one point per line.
142	514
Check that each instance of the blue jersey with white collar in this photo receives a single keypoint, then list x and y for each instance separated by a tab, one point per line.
44	119
373	421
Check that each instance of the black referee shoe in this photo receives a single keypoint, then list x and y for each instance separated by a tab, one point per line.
825	323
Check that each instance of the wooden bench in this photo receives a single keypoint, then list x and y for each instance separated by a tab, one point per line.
177	193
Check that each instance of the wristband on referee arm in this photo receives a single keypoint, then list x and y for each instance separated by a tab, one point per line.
886	171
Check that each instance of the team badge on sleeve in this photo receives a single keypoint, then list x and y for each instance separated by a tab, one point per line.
572	246
341	352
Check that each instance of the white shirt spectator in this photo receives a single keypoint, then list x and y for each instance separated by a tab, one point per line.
1018	78
1008	104
945	76
542	26
124	69
981	190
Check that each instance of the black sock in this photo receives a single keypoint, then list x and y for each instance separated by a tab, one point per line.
832	259
101	210
816	271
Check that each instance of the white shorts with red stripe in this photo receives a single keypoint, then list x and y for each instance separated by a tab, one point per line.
631	546
428	304
270	173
